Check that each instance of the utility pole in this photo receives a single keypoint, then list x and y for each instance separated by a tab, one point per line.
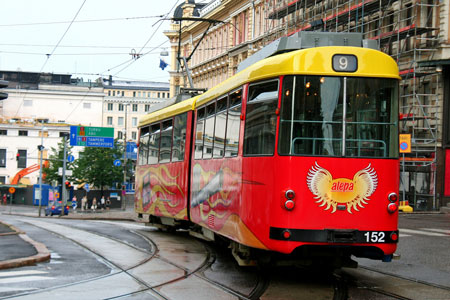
124	186
63	184
41	150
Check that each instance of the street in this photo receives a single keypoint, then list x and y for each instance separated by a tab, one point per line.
109	259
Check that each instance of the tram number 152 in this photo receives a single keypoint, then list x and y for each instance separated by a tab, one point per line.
375	236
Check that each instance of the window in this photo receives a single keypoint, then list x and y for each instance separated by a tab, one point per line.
312	123
179	137
147	107
134	122
22	162
133	135
120	107
114	93
159	95
199	133
120	121
123	93
87	105
166	142
23	132
2	179
2	158
110	106
220	127
3	132
109	121
153	144
233	124
134	94
109	93
119	135
135	107
209	131
260	119
143	145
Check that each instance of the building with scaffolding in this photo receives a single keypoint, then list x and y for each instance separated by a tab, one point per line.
208	41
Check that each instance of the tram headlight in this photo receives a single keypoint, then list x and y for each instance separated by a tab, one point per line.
392	208
289	202
393	197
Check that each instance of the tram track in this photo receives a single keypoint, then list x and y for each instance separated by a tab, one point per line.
133	271
372	281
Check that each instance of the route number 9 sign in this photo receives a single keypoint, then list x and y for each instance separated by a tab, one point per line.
345	63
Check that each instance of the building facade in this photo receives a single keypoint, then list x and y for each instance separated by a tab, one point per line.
41	107
126	101
414	32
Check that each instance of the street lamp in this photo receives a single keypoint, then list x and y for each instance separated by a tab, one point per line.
41	150
124	159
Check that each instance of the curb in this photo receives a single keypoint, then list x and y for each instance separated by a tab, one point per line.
42	252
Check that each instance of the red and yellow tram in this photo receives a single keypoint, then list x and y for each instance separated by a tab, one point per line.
296	154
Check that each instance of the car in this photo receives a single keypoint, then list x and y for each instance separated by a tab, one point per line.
54	208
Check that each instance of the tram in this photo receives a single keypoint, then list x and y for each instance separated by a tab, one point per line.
296	156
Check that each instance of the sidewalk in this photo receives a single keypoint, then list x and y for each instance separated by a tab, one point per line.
17	249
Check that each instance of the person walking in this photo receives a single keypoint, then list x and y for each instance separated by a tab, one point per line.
102	203
94	204
108	203
83	203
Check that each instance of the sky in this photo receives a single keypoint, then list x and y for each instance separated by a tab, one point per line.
86	38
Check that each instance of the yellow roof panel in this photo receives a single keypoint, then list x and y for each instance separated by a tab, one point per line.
168	111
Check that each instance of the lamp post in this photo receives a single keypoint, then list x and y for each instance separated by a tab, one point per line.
124	188
41	150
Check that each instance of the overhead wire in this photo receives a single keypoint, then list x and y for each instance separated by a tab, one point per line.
62	37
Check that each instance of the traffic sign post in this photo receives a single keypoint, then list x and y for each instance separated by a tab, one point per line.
92	136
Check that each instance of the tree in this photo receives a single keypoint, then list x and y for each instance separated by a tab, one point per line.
96	166
55	160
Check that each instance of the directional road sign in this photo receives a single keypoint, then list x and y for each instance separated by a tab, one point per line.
117	163
70	158
92	136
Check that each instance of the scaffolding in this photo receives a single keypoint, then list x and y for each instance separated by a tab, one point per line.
409	32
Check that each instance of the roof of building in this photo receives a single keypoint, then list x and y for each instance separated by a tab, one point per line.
135	85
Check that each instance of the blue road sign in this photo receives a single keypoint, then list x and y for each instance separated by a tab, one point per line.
86	187
91	136
117	163
70	158
131	150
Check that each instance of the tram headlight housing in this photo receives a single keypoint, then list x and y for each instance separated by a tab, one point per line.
393	197
289	202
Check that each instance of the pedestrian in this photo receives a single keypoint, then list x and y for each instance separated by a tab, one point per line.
74	203
4	199
94	204
102	202
83	203
108	203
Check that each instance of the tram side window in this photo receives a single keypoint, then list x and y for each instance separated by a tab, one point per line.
220	127
143	145
199	130
233	124
166	142
261	119
208	137
179	137
153	145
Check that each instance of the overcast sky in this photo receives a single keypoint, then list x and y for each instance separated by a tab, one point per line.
97	43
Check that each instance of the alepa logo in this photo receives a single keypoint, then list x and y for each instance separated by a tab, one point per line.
352	193
342	186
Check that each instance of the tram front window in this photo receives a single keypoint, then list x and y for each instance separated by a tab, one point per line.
312	123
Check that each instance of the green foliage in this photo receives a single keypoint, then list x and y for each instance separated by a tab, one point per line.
96	166
55	160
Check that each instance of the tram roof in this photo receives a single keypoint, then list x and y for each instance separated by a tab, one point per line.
310	61
168	111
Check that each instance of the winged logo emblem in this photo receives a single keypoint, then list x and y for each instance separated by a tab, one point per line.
351	194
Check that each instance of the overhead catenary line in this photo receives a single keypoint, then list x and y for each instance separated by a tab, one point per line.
81	21
64	34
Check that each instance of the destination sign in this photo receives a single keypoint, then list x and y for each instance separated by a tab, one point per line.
92	136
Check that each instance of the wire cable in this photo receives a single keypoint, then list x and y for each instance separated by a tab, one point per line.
60	40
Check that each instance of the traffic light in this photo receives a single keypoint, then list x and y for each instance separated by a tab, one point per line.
17	156
40	147
68	186
3	84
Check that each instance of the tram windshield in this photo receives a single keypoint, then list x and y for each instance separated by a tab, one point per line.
312	122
